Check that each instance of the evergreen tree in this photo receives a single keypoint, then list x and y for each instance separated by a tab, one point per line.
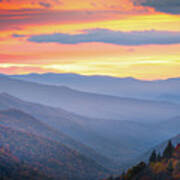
159	157
153	157
168	152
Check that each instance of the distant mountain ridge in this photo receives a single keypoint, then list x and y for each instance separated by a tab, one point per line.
75	75
123	87
89	104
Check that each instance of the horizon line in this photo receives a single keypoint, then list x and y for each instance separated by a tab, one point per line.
95	75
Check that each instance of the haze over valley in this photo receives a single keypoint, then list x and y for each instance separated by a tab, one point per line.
112	132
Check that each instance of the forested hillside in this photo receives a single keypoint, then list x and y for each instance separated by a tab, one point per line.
11	167
161	166
50	157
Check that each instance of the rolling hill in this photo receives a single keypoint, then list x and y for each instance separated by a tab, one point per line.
89	104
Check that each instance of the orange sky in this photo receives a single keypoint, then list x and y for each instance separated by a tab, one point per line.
80	47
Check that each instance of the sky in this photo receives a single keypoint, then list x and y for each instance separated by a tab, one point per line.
124	38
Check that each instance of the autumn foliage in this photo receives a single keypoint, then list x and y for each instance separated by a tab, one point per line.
159	167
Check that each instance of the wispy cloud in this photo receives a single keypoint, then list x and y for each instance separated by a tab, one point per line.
18	35
44	4
16	19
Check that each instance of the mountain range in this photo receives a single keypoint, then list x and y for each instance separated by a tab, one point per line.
90	104
97	133
51	123
162	90
110	143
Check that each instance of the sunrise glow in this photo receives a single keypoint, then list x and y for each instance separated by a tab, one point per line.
117	38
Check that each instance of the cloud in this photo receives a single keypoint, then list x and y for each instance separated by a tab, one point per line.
16	19
18	35
112	37
167	6
44	4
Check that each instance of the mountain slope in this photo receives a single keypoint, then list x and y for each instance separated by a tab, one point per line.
165	166
88	104
13	168
50	157
19	120
159	148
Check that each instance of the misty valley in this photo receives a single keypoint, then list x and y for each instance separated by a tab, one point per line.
118	130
